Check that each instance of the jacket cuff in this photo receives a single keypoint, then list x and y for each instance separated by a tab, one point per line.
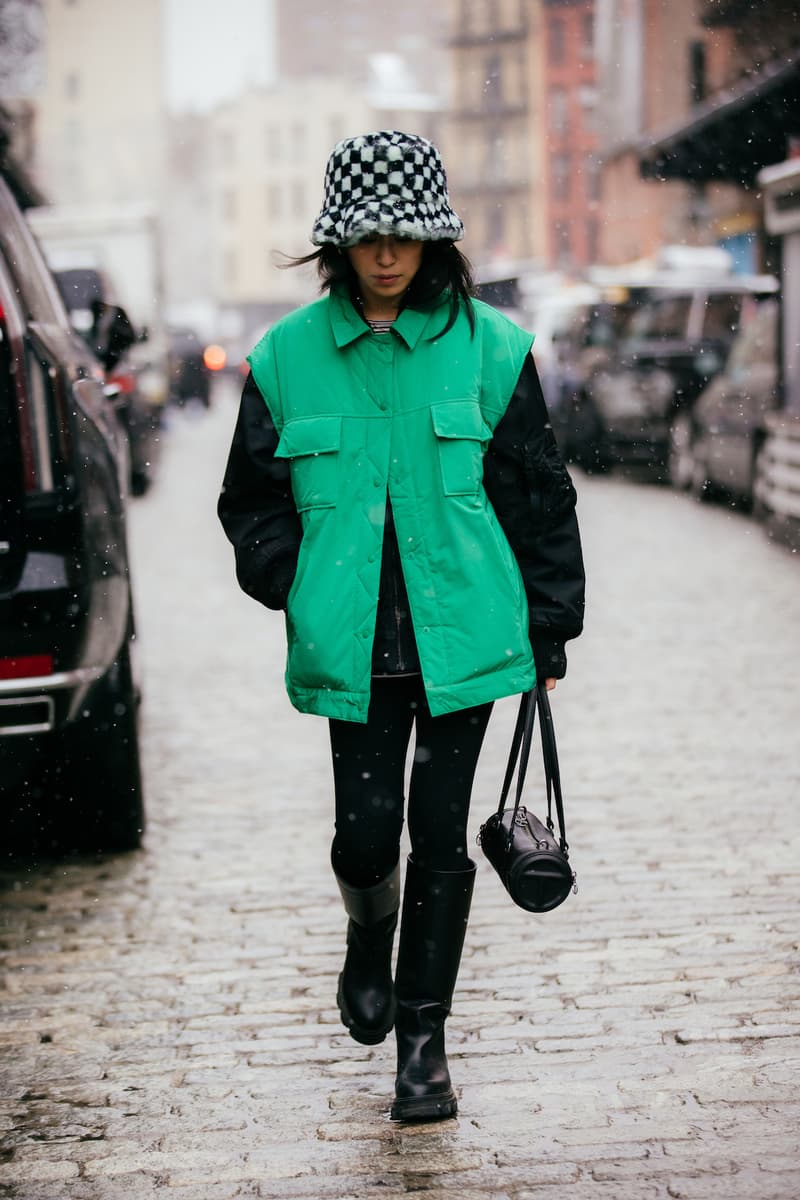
271	582
548	654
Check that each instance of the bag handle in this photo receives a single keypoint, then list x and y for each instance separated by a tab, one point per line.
520	749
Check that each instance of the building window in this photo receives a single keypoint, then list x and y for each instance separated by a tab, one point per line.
495	155
493	83
591	172
495	227
72	85
229	267
587	36
556	40
226	148
697	72
298	199
559	110
563	244
592	240
273	143
298	141
273	201
588	100
229	205
561	169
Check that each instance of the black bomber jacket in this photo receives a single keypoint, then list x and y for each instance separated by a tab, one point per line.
527	484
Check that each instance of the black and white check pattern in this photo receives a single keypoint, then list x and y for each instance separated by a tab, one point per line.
385	183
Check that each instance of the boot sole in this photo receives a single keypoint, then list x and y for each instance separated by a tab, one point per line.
365	1037
424	1108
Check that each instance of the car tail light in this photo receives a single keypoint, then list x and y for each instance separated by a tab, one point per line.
214	358
26	666
29	388
124	381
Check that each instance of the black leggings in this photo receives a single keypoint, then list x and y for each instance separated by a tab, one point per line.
368	771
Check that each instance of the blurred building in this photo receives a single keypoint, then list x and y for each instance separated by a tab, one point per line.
339	39
745	116
269	148
647	61
522	135
101	122
187	223
494	140
695	97
570	168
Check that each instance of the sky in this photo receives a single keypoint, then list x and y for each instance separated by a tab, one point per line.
214	48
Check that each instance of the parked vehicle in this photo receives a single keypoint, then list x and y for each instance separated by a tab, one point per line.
721	439
584	346
122	243
189	377
675	339
69	756
138	402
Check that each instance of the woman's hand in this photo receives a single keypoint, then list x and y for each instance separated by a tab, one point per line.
550	684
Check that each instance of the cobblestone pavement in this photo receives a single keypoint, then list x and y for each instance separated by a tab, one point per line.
168	1019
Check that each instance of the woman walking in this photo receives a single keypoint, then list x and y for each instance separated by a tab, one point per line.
395	486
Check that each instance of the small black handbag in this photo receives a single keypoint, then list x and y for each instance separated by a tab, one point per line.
533	866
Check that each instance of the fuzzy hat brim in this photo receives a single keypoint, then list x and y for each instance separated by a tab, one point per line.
385	183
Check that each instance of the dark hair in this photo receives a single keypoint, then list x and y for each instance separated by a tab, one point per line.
443	269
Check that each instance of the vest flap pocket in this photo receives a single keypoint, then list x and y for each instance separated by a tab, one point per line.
309	435
311	444
459	419
461	434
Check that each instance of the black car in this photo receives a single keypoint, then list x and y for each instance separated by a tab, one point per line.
584	347
189	377
674	341
82	289
725	430
69	755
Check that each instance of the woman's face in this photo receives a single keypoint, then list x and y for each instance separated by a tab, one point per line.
385	266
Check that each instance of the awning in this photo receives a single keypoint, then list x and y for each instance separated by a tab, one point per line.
733	134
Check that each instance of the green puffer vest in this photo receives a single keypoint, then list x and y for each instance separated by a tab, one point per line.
408	414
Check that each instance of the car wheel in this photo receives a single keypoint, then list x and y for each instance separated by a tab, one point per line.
140	483
102	806
680	454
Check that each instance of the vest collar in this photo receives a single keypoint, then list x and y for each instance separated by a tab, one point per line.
348	325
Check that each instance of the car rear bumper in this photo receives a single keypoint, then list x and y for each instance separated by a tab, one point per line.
41	703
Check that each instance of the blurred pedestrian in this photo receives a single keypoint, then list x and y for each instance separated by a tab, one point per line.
395	486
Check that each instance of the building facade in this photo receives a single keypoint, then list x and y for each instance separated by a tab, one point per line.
101	110
645	49
570	167
696	97
315	39
493	136
269	148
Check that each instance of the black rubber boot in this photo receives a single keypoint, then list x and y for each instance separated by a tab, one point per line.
436	908
366	993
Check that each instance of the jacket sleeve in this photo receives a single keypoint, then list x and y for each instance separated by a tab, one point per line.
256	505
534	498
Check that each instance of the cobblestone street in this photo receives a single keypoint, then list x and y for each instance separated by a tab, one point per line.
169	1025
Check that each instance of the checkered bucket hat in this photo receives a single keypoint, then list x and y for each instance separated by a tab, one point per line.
385	182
